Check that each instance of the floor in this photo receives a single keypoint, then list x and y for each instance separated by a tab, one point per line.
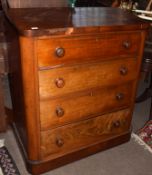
127	159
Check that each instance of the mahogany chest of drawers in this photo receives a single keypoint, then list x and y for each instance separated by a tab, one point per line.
74	76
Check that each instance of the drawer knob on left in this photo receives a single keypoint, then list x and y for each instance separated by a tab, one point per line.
126	44
120	96
60	52
59	111
123	71
60	82
59	142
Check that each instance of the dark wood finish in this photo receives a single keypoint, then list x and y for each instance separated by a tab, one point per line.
3	125
3	72
97	3
147	69
66	21
76	76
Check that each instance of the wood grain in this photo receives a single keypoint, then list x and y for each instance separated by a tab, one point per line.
83	106
82	77
85	48
30	99
74	76
82	134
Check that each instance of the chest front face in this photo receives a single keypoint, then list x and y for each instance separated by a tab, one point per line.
86	85
78	84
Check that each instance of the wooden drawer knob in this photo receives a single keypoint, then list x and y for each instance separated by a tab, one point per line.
126	44
60	82
60	142
116	124
59	112
120	96
123	71
60	52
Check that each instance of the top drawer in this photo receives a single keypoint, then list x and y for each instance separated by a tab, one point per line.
61	51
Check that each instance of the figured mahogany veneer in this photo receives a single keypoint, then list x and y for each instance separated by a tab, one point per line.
73	81
72	137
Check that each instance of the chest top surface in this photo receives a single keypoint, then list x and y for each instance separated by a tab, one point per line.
46	21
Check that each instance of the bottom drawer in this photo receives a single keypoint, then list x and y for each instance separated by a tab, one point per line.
72	137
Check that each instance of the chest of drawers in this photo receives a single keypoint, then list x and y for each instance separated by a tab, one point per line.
73	80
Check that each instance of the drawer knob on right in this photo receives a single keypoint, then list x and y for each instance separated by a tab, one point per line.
126	44
123	71
116	124
120	96
60	52
60	82
60	142
59	112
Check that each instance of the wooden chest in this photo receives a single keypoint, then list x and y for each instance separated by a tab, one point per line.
74	76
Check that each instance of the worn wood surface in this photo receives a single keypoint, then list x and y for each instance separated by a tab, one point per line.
51	21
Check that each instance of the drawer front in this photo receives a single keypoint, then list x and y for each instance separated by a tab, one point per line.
61	111
76	136
61	51
60	81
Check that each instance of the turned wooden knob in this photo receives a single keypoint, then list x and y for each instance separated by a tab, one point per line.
60	82
126	44
59	111
120	96
116	124
60	142
60	52
123	71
